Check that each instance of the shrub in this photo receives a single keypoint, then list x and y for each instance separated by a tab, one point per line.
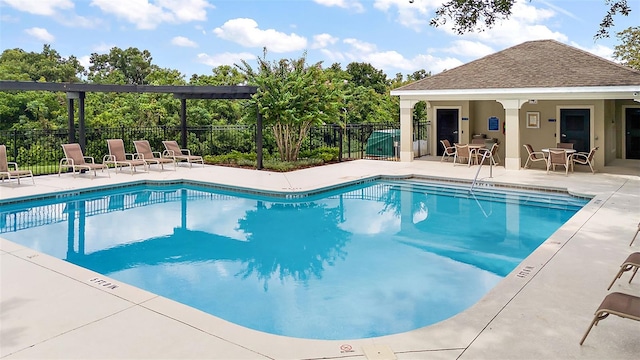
326	154
270	162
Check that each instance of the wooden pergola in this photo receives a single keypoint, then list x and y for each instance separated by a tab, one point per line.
77	91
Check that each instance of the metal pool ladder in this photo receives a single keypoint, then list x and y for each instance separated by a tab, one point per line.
475	179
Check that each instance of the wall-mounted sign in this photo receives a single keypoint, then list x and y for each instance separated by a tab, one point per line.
552	120
465	119
494	123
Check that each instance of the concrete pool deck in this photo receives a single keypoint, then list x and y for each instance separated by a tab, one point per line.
52	309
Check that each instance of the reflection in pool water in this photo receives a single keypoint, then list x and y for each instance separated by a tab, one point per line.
367	260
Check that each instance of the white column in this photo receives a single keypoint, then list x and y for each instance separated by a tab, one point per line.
406	130
512	133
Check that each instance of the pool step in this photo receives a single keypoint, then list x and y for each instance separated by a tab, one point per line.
511	196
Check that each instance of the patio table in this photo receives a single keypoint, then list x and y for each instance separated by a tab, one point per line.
475	148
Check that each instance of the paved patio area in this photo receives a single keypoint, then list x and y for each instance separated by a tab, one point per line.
52	309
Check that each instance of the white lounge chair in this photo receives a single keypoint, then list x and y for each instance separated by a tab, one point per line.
173	151
75	159
15	173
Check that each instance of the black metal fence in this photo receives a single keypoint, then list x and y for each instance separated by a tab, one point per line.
41	150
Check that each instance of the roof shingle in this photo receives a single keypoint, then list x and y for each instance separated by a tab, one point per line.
533	64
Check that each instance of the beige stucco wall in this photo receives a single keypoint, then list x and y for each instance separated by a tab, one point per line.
606	124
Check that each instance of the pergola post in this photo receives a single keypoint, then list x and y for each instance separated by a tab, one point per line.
70	116
81	133
183	122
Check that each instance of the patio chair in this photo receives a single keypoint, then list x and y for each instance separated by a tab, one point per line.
631	263
533	156
119	158
584	158
619	304
173	151
75	159
564	145
448	149
493	154
463	152
558	157
16	173
636	235
149	156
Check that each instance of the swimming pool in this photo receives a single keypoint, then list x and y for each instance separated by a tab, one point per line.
369	259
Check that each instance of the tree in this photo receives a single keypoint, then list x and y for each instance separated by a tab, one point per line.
130	66
473	15
364	74
293	96
629	51
217	112
17	64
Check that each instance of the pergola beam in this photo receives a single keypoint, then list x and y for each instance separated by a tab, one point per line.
182	92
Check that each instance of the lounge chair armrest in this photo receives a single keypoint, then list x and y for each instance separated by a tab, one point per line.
168	153
130	156
12	163
108	158
90	158
186	152
156	153
66	161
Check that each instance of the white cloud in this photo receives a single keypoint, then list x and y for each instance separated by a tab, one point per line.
434	64
146	15
345	4
183	41
525	24
246	33
390	61
60	10
9	19
598	50
39	7
468	48
415	16
360	46
332	56
560	10
224	58
187	10
40	34
103	47
80	21
85	61
323	40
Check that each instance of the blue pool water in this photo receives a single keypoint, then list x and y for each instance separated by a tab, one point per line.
366	260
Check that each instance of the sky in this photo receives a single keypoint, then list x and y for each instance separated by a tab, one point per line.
195	36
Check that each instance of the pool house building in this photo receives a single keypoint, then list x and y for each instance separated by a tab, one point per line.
540	93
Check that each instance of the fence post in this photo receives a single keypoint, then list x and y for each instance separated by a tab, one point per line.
340	146
258	139
15	145
210	150
349	141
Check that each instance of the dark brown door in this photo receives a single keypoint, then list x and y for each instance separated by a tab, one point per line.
575	128
447	127
632	133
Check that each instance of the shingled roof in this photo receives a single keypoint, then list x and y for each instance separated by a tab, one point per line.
533	64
